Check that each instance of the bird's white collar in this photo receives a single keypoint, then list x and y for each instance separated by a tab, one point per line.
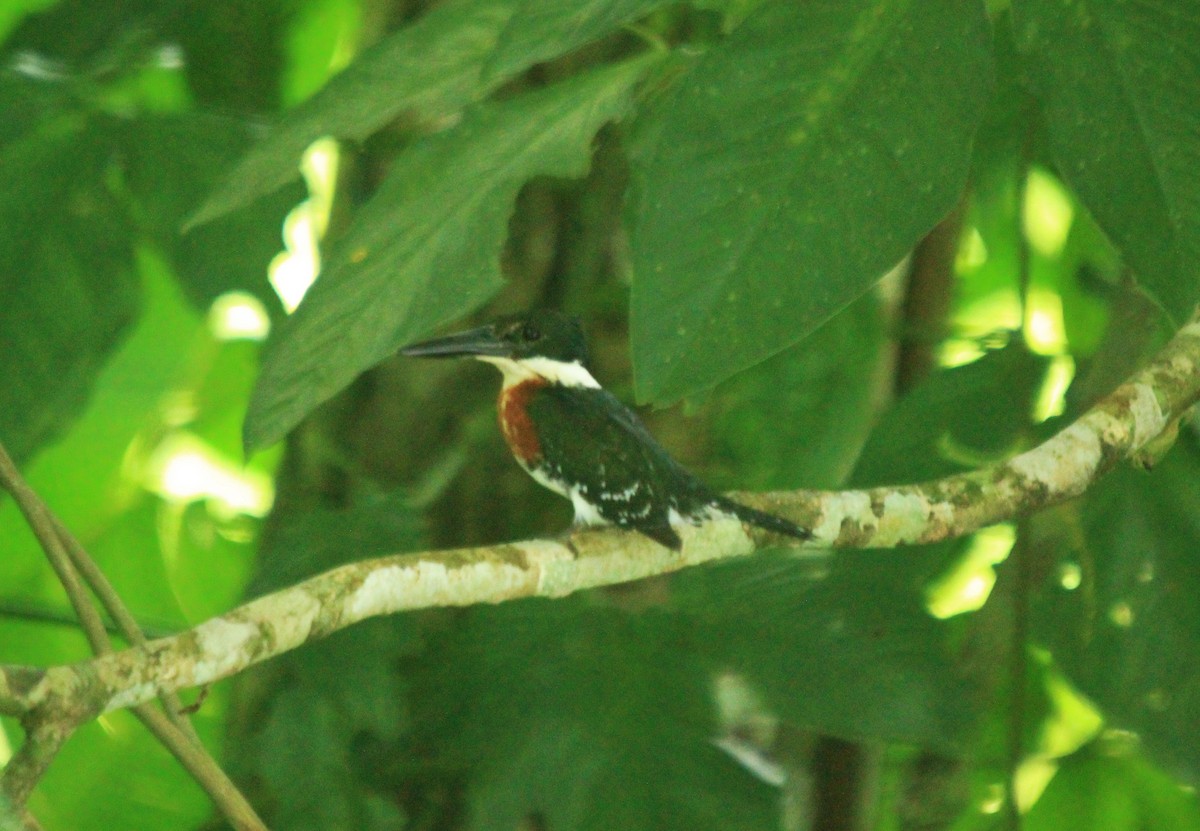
564	373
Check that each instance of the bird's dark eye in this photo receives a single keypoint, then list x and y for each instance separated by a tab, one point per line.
531	332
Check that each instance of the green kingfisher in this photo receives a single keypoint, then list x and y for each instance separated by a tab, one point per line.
580	441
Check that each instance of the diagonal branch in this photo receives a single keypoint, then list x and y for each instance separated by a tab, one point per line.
1119	426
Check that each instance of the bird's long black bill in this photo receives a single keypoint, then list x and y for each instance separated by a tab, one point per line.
481	341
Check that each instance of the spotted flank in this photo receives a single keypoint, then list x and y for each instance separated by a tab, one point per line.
597	453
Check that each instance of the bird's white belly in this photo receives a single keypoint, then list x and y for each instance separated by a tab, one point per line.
585	512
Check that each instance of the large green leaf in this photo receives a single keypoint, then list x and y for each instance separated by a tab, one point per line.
793	165
430	69
1127	631
1118	81
538	30
588	718
425	250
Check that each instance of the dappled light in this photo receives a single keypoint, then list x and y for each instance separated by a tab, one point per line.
1052	398
1071	723
1047	213
967	585
293	271
238	315
184	468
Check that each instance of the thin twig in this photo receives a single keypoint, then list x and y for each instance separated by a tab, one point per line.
115	607
196	761
40	522
169	725
24	770
1018	671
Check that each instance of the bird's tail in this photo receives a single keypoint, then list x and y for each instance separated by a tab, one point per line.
768	522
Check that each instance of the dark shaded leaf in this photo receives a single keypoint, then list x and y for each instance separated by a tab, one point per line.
956	419
848	651
233	52
66	275
305	544
801	417
75	33
586	717
305	760
793	165
171	162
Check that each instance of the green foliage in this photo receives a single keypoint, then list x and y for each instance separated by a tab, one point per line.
303	741
799	416
430	69
172	567
67	275
1116	793
105	357
755	167
537	31
403	266
171	161
850	651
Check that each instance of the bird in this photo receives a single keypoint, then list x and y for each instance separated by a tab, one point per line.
578	440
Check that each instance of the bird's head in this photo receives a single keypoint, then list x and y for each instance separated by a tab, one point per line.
540	343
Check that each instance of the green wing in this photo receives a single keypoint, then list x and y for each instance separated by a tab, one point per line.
592	440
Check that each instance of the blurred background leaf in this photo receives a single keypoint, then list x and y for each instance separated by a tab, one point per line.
66	267
430	69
